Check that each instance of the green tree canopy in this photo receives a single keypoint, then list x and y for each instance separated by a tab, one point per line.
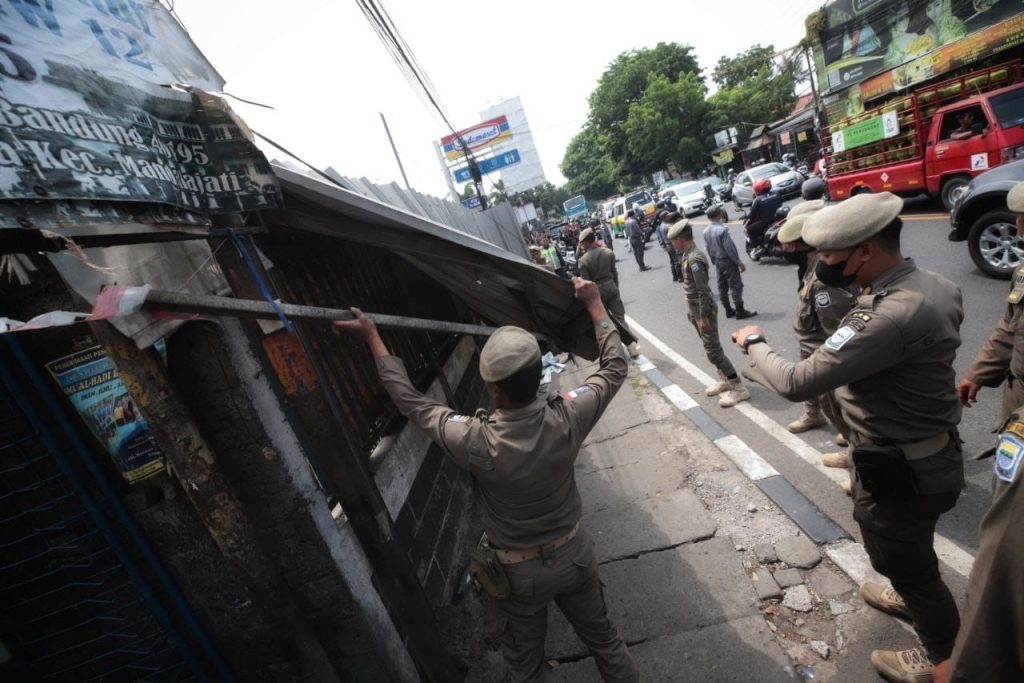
623	83
754	87
587	166
666	125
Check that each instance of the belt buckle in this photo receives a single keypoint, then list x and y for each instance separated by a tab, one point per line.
547	560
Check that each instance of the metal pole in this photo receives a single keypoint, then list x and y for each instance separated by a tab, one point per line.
447	174
249	308
395	150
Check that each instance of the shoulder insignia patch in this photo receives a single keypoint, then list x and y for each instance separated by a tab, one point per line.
1019	278
1016	294
862	316
822	300
1015	427
695	266
459	418
1009	452
840	338
578	391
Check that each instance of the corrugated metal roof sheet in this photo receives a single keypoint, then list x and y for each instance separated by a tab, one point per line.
501	287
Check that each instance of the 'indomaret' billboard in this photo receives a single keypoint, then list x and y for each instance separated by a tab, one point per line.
481	135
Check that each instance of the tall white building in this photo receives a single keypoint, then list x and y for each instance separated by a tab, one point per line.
528	173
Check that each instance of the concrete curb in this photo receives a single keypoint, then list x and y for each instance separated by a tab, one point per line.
818	526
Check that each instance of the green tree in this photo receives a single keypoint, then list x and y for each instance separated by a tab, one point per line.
546	197
732	71
756	87
666	125
588	168
468	190
623	84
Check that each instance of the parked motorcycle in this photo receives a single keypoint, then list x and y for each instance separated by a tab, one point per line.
770	246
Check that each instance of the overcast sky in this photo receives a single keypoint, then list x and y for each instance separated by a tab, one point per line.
328	77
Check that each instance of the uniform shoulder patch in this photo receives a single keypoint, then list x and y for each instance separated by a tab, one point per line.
459	418
1009	452
695	266
840	338
577	392
822	300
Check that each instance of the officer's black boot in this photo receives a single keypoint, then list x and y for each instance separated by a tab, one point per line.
742	313
729	312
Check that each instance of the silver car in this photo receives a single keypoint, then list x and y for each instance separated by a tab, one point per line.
689	197
784	180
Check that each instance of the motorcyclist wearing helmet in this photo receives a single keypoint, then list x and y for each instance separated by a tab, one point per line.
812	188
762	212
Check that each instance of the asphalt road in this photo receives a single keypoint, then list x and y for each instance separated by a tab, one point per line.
657	303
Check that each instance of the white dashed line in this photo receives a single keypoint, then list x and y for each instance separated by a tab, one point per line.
744	457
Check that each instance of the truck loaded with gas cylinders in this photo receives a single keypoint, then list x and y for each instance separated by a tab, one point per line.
932	139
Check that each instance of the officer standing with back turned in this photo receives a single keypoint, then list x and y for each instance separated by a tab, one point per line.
890	363
522	455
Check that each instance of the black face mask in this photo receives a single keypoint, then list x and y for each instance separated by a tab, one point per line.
797	258
832	275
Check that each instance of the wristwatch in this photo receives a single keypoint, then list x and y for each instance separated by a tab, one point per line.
755	338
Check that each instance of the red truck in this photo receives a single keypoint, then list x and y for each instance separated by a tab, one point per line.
923	142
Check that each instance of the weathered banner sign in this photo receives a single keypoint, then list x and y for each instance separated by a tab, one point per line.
109	100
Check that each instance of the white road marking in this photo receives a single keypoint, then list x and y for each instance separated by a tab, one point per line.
949	552
680	399
744	457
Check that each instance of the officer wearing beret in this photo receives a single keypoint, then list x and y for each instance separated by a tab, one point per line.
703	314
819	311
598	265
890	363
1001	358
522	455
990	645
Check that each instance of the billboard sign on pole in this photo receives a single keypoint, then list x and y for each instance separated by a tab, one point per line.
481	135
510	157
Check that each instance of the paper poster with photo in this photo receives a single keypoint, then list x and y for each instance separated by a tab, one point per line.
90	382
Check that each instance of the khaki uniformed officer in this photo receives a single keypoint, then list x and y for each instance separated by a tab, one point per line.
819	311
990	645
703	313
598	266
522	456
1002	356
890	364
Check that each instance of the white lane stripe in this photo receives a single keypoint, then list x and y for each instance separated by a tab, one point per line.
949	552
670	353
749	462
643	363
680	399
853	559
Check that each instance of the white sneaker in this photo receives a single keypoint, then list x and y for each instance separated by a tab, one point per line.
634	350
734	396
721	387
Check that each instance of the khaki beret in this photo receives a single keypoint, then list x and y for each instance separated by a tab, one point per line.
677	228
792	228
851	222
509	350
807	207
586	234
1015	198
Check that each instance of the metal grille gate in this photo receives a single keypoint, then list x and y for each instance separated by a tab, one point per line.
73	604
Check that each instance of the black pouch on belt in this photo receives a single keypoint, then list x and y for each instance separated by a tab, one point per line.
485	568
884	472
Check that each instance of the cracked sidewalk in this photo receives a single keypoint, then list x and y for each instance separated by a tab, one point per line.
703	573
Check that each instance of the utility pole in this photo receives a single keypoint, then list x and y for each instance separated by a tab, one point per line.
453	193
395	150
474	172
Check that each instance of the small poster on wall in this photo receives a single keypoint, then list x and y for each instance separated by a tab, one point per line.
90	382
